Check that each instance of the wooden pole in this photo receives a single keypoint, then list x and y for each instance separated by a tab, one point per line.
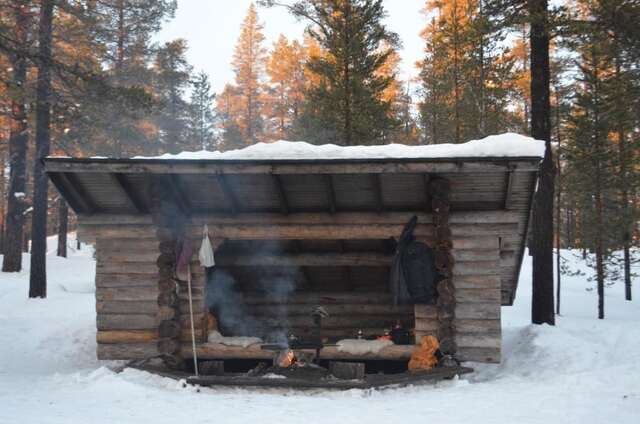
193	330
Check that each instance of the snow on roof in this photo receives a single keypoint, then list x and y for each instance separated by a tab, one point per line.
503	145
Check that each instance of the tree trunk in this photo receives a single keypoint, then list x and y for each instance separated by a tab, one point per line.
483	111
598	188
121	36
542	311
627	220
3	185
456	73
38	275
558	199
63	227
12	261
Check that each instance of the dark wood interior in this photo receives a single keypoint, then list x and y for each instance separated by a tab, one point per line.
356	296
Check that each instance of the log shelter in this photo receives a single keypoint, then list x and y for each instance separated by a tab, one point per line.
326	225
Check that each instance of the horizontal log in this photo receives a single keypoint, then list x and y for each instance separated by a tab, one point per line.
478	295
302	332
339	218
489	340
116	280
219	351
127	336
127	351
318	232
127	322
294	167
476	268
293	259
147	269
127	307
477	310
477	282
333	322
349	309
322	298
485	326
426	324
425	311
127	294
478	354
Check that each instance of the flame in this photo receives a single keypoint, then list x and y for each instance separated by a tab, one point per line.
286	359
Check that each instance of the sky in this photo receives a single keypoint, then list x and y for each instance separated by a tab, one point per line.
212	27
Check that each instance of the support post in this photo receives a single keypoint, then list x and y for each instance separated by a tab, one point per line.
439	190
170	223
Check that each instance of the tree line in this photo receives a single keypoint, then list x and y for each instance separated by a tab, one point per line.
83	78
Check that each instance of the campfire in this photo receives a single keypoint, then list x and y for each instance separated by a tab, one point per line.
285	359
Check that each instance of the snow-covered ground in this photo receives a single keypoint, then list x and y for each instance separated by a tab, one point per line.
581	371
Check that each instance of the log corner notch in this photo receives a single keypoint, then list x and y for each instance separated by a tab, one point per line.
439	192
170	223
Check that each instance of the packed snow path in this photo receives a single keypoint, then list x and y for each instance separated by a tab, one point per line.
582	371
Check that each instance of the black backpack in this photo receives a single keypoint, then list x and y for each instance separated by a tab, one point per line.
414	276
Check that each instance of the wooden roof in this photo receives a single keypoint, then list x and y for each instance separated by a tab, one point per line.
288	187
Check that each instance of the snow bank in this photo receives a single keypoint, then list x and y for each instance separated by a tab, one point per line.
503	145
216	337
361	347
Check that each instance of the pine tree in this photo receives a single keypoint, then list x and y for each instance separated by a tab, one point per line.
542	303
38	270
346	107
590	151
201	119
124	28
227	109
172	76
248	64
467	75
121	32
285	69
18	138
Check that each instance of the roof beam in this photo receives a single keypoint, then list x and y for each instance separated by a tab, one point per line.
125	186
351	166
72	190
282	197
228	193
331	193
320	218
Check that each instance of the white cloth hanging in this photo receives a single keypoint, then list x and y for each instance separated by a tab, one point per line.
205	255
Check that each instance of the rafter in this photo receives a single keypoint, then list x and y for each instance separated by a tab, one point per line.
72	190
125	186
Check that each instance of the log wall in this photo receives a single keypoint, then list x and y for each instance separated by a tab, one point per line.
128	289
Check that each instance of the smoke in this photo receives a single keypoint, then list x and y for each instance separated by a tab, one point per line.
226	299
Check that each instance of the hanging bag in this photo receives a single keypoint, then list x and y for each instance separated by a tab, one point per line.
206	250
